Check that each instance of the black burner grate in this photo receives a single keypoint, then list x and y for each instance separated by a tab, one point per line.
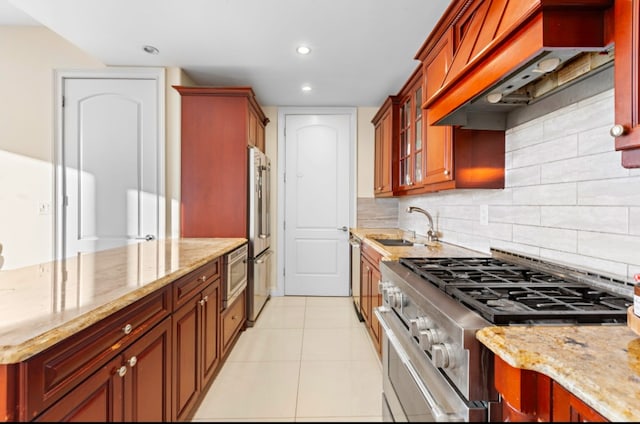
505	293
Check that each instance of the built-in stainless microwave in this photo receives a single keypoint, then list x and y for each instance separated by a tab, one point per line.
235	266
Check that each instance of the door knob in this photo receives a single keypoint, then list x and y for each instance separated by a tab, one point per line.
343	228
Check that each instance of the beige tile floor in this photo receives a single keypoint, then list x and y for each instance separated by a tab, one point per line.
306	359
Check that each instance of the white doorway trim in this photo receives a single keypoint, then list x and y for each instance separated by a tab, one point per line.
353	125
156	74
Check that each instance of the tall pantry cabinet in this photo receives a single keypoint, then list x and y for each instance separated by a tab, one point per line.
218	123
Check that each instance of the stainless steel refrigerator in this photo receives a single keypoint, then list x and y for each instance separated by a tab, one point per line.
259	226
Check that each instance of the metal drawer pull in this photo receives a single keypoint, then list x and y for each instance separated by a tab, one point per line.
203	278
438	413
122	371
132	361
127	329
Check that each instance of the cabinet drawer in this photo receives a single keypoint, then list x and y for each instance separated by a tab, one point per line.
372	254
57	370
233	318
191	284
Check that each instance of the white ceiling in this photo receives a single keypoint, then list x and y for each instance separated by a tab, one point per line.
361	50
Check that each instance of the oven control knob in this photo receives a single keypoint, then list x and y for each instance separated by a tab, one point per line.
383	286
430	337
420	324
442	355
396	298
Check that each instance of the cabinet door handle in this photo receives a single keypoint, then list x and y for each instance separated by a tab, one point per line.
206	298
446	172
617	130
203	278
201	302
127	329
132	361
122	371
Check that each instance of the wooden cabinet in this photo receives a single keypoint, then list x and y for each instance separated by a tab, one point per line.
385	123
567	407
627	81
531	396
370	297
133	387
151	361
196	337
52	375
233	320
410	148
476	44
217	126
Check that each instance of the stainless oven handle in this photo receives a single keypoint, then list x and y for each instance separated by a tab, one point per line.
438	414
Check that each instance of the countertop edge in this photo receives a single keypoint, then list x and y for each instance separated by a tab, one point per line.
13	354
561	371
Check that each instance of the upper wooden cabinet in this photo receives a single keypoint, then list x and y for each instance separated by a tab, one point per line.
411	134
217	126
385	123
627	81
478	43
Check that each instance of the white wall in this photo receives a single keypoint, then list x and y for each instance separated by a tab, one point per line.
28	57
365	151
566	196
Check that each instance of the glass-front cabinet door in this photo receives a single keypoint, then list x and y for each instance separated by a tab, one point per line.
411	142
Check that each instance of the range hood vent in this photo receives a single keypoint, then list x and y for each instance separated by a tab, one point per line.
487	57
532	83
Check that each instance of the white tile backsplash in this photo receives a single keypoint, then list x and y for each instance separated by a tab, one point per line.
584	168
546	194
610	219
566	196
562	148
519	177
552	238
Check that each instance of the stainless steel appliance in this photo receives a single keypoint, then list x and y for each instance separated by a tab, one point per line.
434	368
355	274
259	230
235	267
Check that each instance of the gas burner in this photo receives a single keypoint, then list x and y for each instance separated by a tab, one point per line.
507	293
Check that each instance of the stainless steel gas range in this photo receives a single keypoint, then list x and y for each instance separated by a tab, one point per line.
434	367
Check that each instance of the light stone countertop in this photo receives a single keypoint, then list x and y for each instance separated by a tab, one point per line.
43	304
393	253
598	364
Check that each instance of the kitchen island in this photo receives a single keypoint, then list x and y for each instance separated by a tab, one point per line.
600	365
68	322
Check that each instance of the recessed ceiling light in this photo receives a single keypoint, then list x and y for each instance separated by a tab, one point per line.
306	87
303	50
150	49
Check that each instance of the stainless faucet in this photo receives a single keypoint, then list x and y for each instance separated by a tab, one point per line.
431	233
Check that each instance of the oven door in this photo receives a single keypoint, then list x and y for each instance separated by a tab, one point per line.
413	389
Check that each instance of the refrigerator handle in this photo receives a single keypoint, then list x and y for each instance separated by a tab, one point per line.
265	202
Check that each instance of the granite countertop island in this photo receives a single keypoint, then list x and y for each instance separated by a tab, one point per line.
598	364
43	304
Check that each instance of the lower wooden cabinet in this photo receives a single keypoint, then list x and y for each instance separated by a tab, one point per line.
149	362
195	346
233	320
531	396
134	386
370	297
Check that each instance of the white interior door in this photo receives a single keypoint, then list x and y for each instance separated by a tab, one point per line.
111	164
317	205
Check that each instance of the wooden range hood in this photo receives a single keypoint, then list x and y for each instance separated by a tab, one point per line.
482	47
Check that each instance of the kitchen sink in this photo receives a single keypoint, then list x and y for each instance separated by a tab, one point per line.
394	242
